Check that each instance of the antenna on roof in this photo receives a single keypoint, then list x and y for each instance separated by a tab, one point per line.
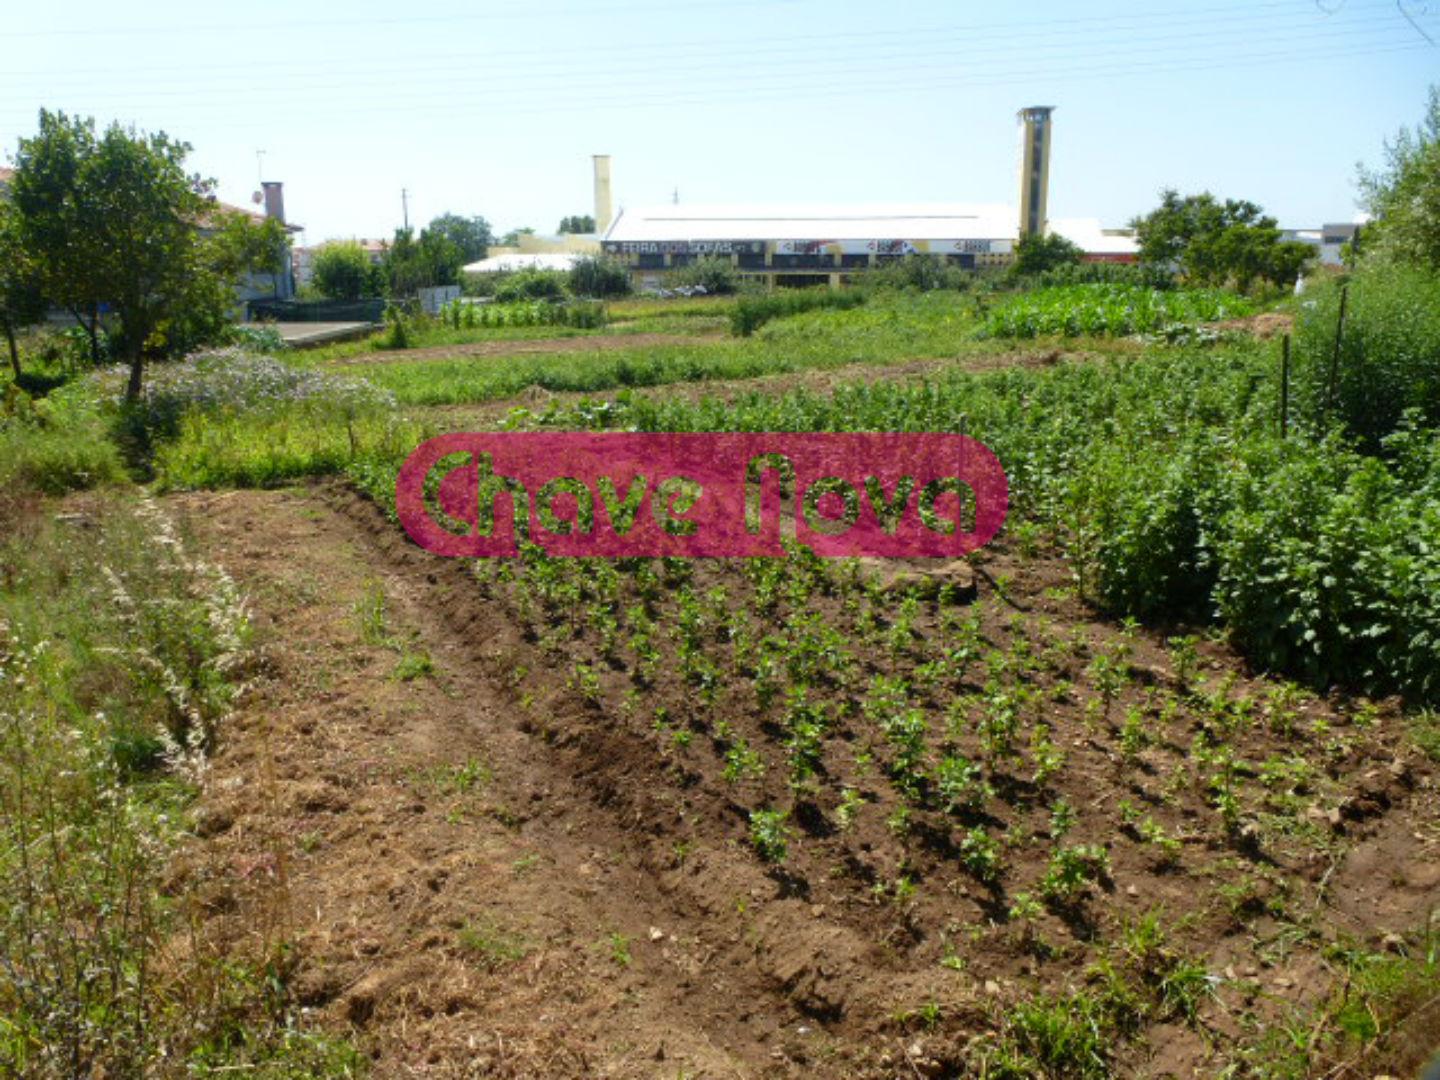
676	197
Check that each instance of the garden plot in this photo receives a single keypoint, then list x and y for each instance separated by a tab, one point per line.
788	821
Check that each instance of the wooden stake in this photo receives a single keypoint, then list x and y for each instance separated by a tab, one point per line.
1284	385
1335	353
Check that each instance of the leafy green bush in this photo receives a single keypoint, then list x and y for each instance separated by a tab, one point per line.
1036	254
713	273
919	273
595	275
1328	565
753	312
1389	357
56	444
532	285
257	337
343	271
1139	546
1072	310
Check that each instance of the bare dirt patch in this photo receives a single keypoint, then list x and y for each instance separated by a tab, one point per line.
1266	325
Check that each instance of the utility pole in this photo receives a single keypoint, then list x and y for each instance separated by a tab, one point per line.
405	207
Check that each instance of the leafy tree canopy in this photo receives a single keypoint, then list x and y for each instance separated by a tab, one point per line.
114	221
577	223
22	300
1218	243
1404	196
343	271
1037	254
471	235
413	263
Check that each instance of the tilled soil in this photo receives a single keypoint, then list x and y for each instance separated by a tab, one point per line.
526	346
484	875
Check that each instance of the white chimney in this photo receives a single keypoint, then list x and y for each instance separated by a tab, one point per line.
603	212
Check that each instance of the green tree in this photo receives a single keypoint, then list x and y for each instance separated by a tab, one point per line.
713	273
471	235
343	271
232	245
54	225
1036	254
595	275
512	238
115	220
413	263
1404	196
22	302
1218	243
577	223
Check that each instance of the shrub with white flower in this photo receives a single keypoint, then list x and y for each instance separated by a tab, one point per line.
236	381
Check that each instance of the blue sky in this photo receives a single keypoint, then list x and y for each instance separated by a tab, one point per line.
494	107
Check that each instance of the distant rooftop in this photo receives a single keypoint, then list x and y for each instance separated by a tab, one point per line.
554	260
1093	238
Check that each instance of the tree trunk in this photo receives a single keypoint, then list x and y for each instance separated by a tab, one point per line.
137	368
88	325
94	331
14	351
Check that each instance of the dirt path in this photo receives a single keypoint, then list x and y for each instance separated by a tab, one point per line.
458	892
533	346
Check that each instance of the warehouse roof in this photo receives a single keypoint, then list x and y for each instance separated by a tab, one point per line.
549	260
870	221
1093	239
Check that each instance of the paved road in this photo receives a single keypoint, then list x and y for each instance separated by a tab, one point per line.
317	333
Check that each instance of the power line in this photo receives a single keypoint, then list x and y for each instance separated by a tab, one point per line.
1232	14
891	85
270	26
728	74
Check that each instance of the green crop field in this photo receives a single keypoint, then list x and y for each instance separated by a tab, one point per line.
1044	808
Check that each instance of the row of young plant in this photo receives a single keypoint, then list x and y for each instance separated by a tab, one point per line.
905	736
1168	484
811	683
467	315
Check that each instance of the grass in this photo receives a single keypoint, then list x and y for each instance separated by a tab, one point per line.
490	946
120	655
905	328
56	443
273	446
